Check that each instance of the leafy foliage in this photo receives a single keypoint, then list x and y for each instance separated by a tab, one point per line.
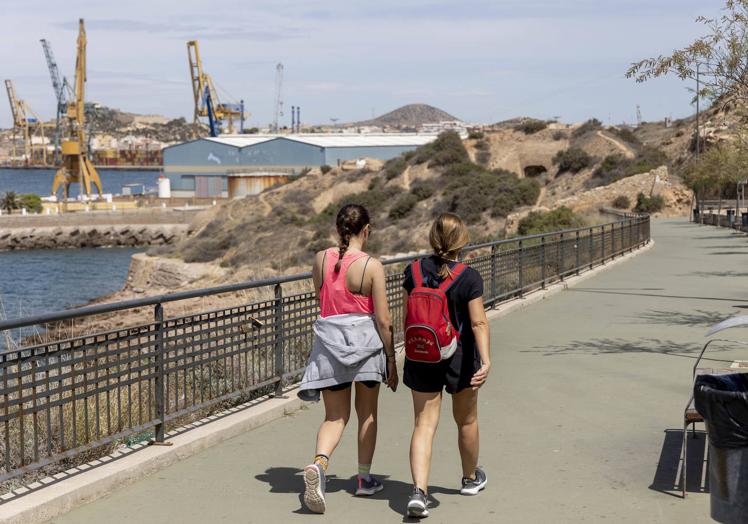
558	135
593	124
446	150
627	135
422	189
573	160
622	202
547	221
395	167
31	203
470	190
652	204
475	135
531	126
615	167
9	201
402	206
325	169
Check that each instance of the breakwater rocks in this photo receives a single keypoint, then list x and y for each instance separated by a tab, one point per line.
91	236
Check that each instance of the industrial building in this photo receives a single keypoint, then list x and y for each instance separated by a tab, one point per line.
206	166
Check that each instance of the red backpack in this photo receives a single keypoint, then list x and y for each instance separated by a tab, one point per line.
429	333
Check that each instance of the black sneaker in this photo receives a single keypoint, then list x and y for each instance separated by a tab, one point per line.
418	504
473	486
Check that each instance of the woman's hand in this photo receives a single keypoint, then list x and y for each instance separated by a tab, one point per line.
480	376
392	378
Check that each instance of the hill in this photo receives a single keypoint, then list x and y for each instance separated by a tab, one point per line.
409	116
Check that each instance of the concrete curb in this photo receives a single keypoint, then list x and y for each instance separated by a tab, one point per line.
53	496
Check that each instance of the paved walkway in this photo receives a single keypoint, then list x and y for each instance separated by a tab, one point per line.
579	420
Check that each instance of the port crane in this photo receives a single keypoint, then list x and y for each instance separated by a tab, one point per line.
29	126
61	89
207	104
76	166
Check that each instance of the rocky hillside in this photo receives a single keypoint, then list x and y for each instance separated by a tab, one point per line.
409	116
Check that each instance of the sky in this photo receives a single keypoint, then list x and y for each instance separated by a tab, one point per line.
480	60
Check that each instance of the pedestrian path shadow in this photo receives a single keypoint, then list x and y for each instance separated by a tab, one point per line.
668	478
395	492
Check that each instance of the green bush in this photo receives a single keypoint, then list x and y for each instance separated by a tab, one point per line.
403	206
30	202
615	167
622	202
573	159
548	221
470	190
475	135
483	157
325	169
558	135
482	145
531	126
422	189
374	200
394	167
446	150
593	124
645	204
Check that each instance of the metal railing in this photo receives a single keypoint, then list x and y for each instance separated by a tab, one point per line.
86	392
720	220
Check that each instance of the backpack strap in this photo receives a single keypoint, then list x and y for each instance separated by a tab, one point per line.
417	273
456	272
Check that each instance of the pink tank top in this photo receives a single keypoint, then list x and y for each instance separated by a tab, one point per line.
334	296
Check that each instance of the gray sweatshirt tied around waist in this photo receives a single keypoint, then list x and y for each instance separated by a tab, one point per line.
346	348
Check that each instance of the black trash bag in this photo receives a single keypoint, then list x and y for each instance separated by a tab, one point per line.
723	402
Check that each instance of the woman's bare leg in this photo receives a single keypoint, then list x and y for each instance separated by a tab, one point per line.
465	412
337	412
366	409
426	407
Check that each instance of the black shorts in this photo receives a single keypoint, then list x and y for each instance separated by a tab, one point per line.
371	384
452	375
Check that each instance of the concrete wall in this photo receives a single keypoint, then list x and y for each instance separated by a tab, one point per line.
335	154
281	152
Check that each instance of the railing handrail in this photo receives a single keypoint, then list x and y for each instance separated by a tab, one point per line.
111	307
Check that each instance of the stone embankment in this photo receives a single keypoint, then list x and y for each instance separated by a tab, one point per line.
91	236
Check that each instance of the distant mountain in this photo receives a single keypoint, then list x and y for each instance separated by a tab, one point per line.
411	115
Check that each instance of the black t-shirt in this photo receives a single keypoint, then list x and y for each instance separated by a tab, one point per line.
468	286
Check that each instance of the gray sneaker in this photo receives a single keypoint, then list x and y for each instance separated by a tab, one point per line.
418	504
473	486
366	487
314	488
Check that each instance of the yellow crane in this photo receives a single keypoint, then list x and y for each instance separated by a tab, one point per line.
29	126
76	166
207	104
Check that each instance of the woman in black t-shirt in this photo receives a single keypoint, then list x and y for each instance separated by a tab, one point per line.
461	375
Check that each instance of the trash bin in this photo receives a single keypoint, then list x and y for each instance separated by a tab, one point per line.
730	217
696	215
744	217
723	402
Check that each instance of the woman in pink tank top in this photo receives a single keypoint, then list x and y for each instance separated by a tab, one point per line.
353	348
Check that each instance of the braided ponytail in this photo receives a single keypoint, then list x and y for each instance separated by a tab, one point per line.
351	220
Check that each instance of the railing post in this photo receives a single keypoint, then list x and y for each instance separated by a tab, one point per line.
158	315
278	345
576	248
591	242
602	243
521	278
542	261
612	241
561	253
493	274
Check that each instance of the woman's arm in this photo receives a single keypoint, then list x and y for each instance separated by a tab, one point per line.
479	324
383	319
